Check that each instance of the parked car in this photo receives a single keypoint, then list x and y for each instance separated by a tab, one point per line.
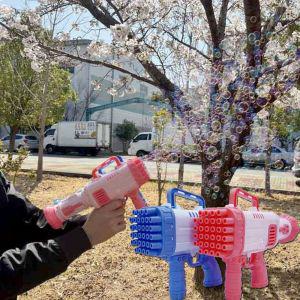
296	167
29	142
280	158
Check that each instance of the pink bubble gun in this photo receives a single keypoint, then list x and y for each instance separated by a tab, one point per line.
124	181
240	239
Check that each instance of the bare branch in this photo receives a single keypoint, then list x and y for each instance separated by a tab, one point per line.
86	60
186	44
213	26
222	19
101	15
117	11
253	26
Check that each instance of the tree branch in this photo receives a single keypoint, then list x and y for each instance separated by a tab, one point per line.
186	44
222	19
213	26
253	26
101	15
83	59
117	11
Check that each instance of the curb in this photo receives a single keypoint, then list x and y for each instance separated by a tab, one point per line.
188	183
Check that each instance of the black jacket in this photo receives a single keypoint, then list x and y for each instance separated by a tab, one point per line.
31	252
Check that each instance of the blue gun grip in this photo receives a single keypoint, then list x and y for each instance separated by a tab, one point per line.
211	270
177	285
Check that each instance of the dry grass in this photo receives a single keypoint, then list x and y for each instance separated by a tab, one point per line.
112	271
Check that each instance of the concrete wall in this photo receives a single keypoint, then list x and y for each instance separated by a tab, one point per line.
83	77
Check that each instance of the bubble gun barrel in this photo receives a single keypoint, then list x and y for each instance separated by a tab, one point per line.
240	239
124	181
167	232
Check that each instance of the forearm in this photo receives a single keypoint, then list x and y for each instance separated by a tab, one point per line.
23	269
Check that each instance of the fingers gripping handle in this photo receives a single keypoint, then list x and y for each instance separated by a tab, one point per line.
259	275
236	193
233	279
177	284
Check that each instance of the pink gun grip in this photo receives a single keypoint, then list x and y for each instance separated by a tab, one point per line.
137	199
233	279
259	274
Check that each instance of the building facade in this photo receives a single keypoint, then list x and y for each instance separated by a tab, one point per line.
92	84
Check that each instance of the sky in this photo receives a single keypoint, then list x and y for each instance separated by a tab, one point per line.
66	26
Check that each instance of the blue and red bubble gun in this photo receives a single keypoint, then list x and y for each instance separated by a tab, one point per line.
168	232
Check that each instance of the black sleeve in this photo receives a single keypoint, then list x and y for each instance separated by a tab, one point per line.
23	222
31	251
22	269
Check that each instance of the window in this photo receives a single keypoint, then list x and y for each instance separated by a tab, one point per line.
143	90
50	132
149	137
31	137
19	137
6	138
141	137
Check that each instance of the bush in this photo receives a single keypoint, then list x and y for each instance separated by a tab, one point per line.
11	165
126	132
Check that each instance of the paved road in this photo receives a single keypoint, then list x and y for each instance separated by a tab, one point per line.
251	178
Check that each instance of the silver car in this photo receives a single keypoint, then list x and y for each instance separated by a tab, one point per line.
29	142
280	158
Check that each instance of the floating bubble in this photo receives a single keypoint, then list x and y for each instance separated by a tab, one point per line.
216	189
216	125
243	107
253	19
226	182
239	129
237	156
212	151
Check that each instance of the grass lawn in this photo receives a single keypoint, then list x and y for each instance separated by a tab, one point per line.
112	270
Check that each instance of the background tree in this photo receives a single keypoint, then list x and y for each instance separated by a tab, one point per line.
16	103
126	132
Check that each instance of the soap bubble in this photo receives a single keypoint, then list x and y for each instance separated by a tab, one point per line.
212	151
216	189
237	156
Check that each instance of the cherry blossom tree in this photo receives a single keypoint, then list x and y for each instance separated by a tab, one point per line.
239	56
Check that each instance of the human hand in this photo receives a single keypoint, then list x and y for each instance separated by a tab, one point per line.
105	222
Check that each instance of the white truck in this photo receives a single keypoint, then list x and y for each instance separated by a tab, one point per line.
144	142
85	137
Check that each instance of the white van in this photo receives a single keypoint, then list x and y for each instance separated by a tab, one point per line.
143	143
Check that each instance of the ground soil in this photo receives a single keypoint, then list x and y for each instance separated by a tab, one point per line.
112	270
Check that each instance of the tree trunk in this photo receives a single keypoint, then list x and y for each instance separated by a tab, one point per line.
181	170
268	155
267	169
159	182
12	140
216	196
181	163
44	99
